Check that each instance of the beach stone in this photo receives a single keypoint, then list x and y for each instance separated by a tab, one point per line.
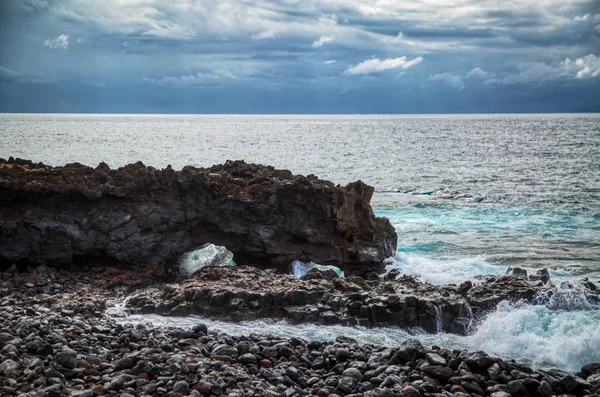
45	349
66	359
591	368
124	363
8	366
545	389
204	388
248	359
438	372
181	387
265	363
84	393
500	394
5	337
314	345
517	388
473	387
380	392
569	382
342	354
224	350
409	351
200	328
119	382
98	390
435	359
493	371
410	391
354	374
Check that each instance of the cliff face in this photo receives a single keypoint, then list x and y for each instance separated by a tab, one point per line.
138	214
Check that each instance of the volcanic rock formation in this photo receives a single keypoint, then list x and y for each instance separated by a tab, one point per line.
138	214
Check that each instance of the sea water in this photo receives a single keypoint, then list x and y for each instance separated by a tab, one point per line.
469	195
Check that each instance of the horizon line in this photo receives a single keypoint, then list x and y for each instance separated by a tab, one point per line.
297	114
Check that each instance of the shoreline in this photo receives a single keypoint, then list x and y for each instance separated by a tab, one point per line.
57	340
119	236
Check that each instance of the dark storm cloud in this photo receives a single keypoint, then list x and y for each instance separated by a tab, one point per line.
314	55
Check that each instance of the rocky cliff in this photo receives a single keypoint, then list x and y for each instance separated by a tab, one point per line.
138	214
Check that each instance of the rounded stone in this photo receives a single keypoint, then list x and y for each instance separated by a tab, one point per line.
354	374
342	354
248	359
181	387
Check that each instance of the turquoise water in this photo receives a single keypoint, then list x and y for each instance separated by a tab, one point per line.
448	242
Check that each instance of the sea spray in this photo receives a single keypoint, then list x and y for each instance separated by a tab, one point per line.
456	271
441	272
540	336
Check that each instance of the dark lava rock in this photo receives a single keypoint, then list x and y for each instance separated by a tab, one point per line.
517	388
141	215
438	372
66	359
342	354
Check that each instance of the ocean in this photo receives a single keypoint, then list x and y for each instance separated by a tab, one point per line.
469	195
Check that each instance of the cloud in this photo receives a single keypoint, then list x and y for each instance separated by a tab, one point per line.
375	65
477	73
584	67
200	78
450	79
267	34
322	40
330	62
580	18
34	5
7	74
61	42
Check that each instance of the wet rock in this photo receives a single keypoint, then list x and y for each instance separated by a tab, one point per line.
342	354
516	272
248	359
517	388
569	382
435	359
591	368
354	374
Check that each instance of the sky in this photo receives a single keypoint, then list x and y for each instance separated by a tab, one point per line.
299	56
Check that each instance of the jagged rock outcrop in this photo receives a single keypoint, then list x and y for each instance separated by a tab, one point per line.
246	293
138	214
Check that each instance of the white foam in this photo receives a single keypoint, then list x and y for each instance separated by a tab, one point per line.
440	272
456	271
534	335
541	336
